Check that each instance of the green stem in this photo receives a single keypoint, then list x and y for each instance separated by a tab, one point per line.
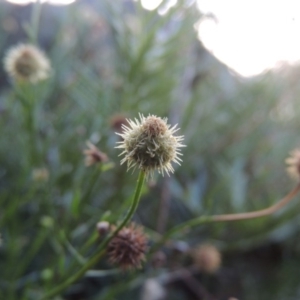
102	247
32	134
91	184
27	97
35	18
180	228
28	256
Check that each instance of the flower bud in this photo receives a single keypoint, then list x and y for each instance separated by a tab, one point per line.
103	228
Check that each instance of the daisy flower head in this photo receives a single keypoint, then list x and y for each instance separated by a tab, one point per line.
150	144
27	63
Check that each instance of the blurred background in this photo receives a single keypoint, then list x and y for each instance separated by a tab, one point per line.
226	72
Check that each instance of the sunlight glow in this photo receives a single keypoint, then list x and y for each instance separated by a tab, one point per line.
251	36
150	4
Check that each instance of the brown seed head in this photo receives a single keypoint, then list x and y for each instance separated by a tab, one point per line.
117	121
293	163
127	249
93	155
207	258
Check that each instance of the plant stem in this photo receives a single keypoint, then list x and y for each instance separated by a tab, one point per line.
91	184
35	18
102	247
228	217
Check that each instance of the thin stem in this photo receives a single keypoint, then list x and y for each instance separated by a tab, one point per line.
102	247
35	18
259	213
25	94
91	184
31	127
229	217
30	254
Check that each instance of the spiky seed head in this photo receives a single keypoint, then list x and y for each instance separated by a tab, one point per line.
149	144
93	155
293	163
27	63
207	258
127	249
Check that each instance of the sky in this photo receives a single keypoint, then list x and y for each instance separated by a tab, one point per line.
249	36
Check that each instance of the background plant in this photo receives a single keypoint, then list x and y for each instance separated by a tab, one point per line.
112	57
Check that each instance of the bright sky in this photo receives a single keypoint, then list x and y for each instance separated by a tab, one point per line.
250	36
247	35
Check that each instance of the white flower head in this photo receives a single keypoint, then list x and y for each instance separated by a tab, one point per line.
149	144
27	63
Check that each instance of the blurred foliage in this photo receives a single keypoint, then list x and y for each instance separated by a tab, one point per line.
114	57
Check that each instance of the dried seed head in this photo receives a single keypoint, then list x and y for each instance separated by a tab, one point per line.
27	63
93	155
150	145
117	121
293	163
207	258
127	249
